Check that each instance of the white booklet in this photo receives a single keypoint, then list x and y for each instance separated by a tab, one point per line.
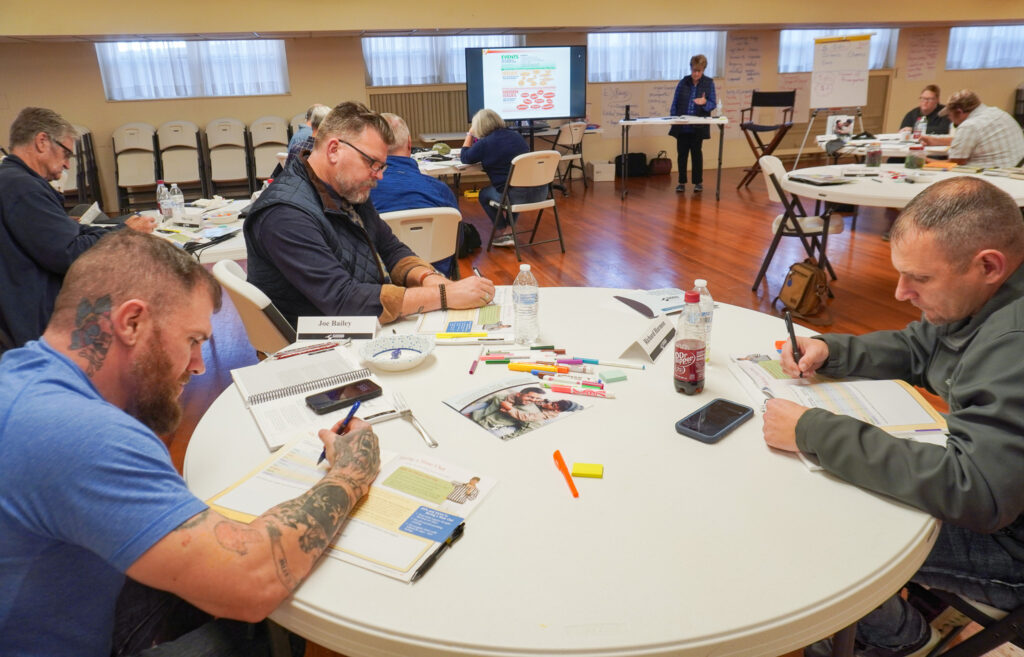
490	324
414	510
275	393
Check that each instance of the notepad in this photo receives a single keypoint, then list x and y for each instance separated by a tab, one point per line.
275	393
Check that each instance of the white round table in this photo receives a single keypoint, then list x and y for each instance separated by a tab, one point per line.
884	191
682	548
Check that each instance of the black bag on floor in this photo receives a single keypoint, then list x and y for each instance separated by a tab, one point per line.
469	239
637	165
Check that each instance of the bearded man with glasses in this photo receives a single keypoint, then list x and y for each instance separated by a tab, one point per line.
316	245
38	241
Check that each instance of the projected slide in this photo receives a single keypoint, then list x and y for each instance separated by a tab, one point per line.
527	82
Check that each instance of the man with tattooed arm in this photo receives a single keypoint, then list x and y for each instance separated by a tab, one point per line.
89	491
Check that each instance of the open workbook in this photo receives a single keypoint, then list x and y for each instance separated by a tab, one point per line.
892	405
275	393
414	510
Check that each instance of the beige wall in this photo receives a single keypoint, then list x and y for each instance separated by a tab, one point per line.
65	76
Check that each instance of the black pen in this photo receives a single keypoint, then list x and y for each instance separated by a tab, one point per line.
455	535
792	338
348	418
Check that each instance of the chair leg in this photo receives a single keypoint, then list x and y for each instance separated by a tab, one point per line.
768	257
558	227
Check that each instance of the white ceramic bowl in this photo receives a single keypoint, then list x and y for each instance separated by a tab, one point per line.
397	352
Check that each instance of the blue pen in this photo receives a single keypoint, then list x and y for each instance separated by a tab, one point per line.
348	418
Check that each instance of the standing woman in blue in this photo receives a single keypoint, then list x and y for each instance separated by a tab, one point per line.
695	96
493	145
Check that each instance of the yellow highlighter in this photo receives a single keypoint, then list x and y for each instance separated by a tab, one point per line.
449	336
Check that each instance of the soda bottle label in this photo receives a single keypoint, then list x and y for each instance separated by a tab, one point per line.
689	361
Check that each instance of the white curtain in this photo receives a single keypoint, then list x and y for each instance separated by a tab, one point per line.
143	70
796	47
994	46
393	61
628	56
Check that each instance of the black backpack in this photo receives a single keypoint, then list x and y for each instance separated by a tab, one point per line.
469	239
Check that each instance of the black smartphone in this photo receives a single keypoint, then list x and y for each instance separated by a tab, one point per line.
711	422
342	396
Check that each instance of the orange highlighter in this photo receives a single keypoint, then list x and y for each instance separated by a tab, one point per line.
529	367
560	462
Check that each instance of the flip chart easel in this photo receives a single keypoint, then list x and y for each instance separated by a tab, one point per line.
839	78
828	112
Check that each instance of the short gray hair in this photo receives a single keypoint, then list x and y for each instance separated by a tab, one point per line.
348	120
33	120
965	215
399	128
316	115
485	122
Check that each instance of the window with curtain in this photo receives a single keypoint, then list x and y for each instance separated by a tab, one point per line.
628	56
989	46
148	70
393	61
796	47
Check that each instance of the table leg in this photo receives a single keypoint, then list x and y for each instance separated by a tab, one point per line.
625	160
721	139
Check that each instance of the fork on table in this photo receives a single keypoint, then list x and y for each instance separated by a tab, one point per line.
403	409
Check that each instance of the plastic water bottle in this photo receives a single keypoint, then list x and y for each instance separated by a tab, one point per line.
177	202
920	127
163	200
707	313
689	366
526	298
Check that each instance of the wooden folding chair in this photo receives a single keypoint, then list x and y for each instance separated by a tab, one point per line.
753	131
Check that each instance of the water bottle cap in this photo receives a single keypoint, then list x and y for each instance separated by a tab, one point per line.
691	296
524	267
700	282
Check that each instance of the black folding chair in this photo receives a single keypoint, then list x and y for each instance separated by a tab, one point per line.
753	131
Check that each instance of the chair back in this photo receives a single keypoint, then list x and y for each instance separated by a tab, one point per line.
269	137
134	155
772	165
534	168
297	122
225	139
773	98
266	327
571	134
431	233
179	152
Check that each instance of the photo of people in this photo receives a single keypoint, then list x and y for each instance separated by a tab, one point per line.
513	410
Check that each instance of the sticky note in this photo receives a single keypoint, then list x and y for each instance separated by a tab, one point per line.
611	376
595	470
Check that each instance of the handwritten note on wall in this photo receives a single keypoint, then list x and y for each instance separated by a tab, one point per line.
742	76
802	83
923	51
644	99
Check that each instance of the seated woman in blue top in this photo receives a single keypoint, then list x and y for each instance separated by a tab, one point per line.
493	145
695	96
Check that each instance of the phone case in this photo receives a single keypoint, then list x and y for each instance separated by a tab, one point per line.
745	413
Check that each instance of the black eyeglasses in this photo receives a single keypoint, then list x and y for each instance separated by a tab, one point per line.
376	166
68	153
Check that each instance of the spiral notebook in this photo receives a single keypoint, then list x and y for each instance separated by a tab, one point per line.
275	393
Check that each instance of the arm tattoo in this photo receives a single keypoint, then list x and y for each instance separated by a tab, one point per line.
284	572
92	336
194	521
236	537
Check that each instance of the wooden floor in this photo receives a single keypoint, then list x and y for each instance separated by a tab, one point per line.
654	238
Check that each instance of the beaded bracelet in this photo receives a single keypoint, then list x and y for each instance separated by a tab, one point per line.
444	298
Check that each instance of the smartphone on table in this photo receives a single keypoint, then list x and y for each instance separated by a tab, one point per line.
342	396
711	422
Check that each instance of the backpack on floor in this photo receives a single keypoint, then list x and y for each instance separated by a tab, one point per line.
469	239
803	293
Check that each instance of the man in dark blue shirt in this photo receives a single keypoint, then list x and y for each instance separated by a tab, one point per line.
403	187
38	241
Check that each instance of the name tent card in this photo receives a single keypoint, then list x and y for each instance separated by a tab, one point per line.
657	335
327	328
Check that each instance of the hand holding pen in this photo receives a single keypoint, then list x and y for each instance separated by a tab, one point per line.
809	354
340	428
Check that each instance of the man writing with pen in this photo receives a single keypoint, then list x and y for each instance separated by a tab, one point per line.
317	246
958	248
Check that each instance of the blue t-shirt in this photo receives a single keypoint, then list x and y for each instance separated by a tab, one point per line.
87	489
403	187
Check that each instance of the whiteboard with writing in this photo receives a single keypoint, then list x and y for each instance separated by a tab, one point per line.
840	74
